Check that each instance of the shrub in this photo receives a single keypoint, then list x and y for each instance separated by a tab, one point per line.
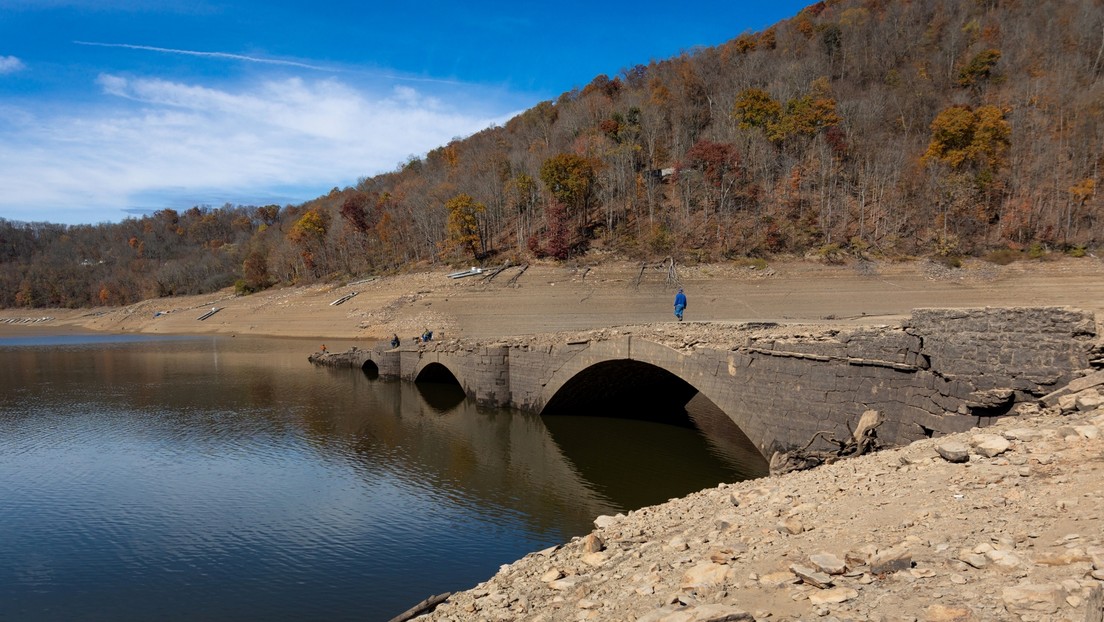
950	261
1003	256
754	263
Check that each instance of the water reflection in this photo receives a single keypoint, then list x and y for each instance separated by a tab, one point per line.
220	478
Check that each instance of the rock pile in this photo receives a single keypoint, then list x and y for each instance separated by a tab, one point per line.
1003	523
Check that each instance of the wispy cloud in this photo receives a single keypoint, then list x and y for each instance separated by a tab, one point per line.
220	55
10	64
150	142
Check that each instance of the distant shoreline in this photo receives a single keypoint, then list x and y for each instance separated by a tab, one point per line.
551	298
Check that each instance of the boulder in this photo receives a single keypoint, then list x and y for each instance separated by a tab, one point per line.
990	445
953	451
1029	598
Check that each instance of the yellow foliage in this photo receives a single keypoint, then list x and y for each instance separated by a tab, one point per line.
463	223
962	136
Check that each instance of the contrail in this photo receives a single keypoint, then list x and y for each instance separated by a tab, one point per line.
269	61
226	55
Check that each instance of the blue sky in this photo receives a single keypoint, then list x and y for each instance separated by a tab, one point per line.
117	108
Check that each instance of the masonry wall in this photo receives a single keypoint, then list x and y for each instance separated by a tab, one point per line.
943	371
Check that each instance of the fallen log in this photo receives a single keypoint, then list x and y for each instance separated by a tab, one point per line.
489	276
423	607
514	278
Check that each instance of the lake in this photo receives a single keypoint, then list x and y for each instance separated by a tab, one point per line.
220	478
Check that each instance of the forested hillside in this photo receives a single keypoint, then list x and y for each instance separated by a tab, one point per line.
882	127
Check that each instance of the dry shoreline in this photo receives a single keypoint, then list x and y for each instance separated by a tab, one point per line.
552	298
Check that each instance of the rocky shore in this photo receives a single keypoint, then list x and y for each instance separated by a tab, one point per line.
1001	523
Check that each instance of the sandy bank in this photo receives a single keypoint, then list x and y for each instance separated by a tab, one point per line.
550	298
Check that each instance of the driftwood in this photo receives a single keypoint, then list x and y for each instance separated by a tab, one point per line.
514	278
863	440
423	607
667	265
489	276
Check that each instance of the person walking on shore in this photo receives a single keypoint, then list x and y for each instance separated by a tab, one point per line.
680	304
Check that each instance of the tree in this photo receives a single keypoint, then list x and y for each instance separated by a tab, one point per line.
964	138
357	210
570	179
255	276
308	233
463	225
755	108
979	68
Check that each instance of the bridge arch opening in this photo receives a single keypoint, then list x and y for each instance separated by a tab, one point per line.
625	388
677	441
439	387
370	369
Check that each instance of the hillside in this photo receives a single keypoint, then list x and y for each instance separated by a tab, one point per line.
857	128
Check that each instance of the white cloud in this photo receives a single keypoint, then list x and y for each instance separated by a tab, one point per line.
150	139
10	64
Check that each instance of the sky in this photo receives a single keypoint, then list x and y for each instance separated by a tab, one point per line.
112	109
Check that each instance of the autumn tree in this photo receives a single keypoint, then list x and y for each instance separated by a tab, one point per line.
979	68
570	179
755	108
803	116
255	276
463	225
308	233
719	164
972	146
357	210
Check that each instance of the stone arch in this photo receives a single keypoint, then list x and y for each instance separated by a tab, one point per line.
434	371
695	376
654	354
370	369
623	387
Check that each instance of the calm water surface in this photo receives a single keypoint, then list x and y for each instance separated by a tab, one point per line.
228	479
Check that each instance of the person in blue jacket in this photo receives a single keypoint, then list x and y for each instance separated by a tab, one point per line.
680	304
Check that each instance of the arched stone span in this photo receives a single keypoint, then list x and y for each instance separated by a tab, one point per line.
635	355
438	373
624	388
940	371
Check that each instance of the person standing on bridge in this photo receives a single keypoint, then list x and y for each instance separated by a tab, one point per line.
680	304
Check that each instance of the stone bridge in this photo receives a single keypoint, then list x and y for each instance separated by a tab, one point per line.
940	371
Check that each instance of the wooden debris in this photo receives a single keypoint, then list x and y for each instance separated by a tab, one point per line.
667	265
213	311
514	278
489	276
863	440
424	607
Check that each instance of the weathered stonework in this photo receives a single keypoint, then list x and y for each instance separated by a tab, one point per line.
942	371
